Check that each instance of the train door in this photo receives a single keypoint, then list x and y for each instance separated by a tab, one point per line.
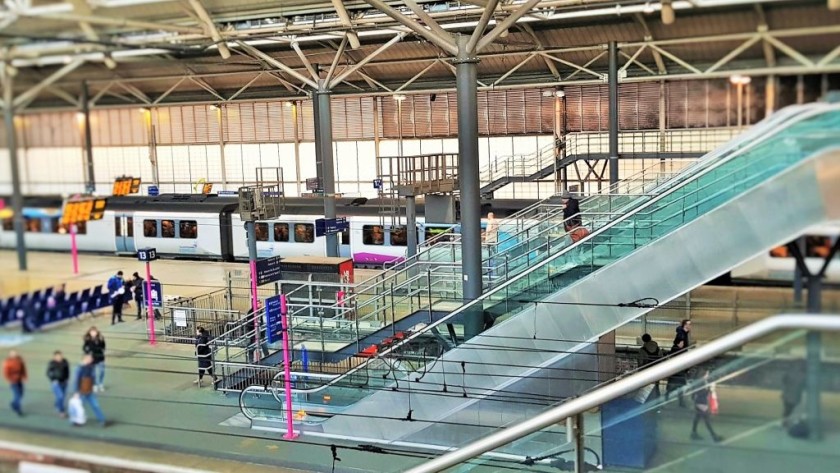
344	244
124	233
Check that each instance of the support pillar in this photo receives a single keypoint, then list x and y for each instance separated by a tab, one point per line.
17	196
468	178
613	118
90	178
813	371
411	224
324	158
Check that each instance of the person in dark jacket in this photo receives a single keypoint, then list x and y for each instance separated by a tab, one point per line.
681	342
58	372
649	351
204	354
85	383
94	345
139	288
702	409
571	211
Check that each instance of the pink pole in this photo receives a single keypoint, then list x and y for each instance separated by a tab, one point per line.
74	250
254	306
149	306
287	369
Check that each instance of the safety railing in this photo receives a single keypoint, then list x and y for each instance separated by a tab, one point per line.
565	422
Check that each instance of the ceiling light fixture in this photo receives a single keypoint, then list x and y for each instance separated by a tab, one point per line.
668	15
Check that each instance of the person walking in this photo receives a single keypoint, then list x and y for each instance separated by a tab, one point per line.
116	290
139	288
94	345
14	370
681	343
58	372
571	211
204	354
702	408
85	384
649	351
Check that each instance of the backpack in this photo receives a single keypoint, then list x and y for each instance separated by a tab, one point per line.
86	385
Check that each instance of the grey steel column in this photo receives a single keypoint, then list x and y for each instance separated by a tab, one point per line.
813	371
797	273
411	225
17	196
468	178
613	122
324	159
90	184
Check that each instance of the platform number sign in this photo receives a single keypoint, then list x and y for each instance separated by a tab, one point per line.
377	184
147	254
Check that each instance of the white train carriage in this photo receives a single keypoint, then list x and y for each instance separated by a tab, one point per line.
287	235
779	264
184	234
44	231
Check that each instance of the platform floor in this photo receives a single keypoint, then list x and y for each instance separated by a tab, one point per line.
158	415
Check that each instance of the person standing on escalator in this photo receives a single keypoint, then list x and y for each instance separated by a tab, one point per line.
572	218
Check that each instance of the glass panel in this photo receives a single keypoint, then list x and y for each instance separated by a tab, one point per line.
150	228
118	226
373	235
33	225
261	231
281	232
129	227
399	236
8	225
188	229
167	229
304	233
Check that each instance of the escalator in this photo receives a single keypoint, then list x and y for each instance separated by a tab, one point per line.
725	212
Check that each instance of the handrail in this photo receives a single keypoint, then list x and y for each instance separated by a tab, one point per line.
631	383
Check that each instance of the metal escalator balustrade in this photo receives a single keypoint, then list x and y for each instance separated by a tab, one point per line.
660	441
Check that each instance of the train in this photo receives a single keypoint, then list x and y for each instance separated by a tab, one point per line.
209	227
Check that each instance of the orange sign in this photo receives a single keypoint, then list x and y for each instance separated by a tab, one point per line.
82	210
126	186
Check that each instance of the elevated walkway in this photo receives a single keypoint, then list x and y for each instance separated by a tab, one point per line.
659	246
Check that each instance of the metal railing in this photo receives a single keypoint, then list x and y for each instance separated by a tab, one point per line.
629	384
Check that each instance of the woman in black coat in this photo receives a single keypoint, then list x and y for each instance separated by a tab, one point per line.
204	354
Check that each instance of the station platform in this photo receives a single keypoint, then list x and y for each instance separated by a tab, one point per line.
156	414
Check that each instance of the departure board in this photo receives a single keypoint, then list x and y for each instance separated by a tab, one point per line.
82	210
126	186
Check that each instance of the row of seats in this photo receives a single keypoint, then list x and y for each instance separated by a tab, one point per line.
45	307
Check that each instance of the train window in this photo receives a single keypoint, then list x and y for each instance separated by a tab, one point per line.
130	224
81	228
817	246
281	232
33	225
261	231
117	226
780	252
167	229
344	237
188	229
56	226
432	232
150	228
304	233
399	236
8	225
373	235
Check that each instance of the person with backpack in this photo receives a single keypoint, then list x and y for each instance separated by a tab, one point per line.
58	372
681	343
85	383
14	370
116	291
94	345
649	351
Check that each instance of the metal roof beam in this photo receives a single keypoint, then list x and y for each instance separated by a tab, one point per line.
675	59
416	76
338	53
244	87
33	92
486	15
119	22
429	21
169	91
210	28
344	74
432	37
306	63
548	63
64	95
345	20
792	53
81	7
277	64
505	24
734	53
